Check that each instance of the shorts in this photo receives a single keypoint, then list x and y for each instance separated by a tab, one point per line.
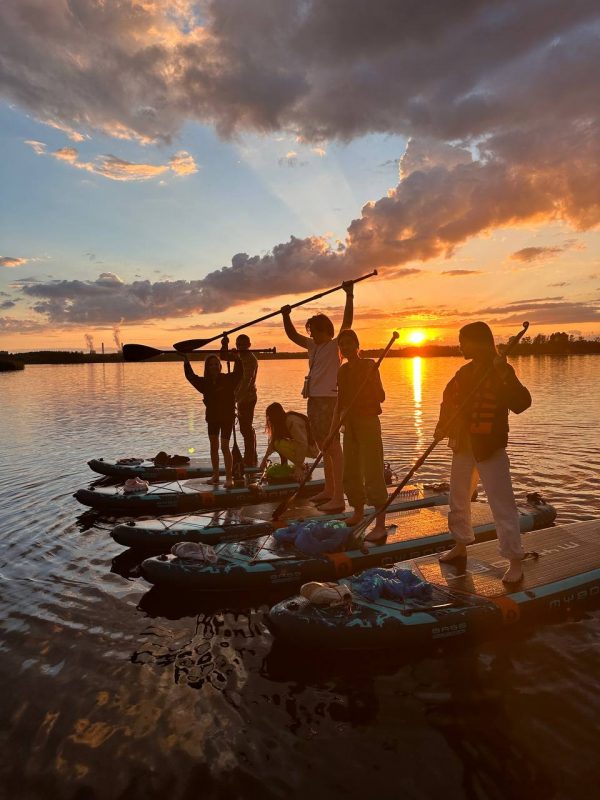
220	427
320	414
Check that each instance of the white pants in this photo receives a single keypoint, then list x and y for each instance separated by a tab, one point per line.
495	477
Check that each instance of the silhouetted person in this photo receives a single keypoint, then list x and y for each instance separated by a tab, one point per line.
320	390
218	394
478	440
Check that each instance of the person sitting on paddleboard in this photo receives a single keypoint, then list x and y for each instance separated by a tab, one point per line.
364	478
478	440
320	390
218	394
290	436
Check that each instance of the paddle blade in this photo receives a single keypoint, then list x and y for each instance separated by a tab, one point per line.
139	352
191	344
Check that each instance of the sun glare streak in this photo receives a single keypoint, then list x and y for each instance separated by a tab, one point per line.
417	381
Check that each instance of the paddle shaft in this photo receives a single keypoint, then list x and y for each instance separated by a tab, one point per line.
330	436
362	526
194	344
142	352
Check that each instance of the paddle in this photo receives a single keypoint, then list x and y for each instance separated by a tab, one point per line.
142	352
360	530
286	501
195	344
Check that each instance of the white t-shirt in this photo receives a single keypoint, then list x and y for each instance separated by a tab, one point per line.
324	362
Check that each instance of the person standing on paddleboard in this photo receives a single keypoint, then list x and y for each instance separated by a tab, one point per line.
320	391
245	397
218	394
478	441
364	478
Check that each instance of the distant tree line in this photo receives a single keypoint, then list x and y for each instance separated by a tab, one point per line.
558	343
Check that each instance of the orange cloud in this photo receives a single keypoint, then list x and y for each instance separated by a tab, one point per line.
10	261
117	169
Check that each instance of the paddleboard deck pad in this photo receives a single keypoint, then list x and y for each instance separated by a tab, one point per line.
262	562
469	599
149	471
232	525
178	497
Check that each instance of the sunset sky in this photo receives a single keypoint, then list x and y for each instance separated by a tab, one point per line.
171	168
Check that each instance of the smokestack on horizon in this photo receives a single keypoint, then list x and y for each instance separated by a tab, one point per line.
117	337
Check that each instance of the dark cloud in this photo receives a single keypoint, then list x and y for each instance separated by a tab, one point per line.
207	326
531	300
529	254
10	325
499	99
291	160
552	314
460	272
7	304
450	71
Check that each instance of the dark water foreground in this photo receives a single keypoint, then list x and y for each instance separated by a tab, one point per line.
112	690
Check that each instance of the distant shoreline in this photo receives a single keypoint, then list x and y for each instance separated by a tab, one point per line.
556	344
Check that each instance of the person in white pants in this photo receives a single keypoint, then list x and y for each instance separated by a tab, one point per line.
478	439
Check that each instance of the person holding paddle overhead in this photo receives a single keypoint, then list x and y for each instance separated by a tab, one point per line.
290	436
360	395
218	394
478	439
320	391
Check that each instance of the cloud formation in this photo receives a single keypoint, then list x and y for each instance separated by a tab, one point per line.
499	101
109	166
529	254
449	72
11	261
459	273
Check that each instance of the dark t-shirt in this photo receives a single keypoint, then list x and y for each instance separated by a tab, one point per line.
351	377
218	395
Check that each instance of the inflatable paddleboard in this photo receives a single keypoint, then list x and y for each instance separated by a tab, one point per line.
468	599
263	562
148	471
231	525
178	497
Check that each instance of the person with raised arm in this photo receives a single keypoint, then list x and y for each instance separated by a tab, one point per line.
478	440
320	391
218	394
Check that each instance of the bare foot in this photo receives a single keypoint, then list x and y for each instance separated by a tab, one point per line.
322	497
458	551
332	507
376	534
215	480
354	520
514	573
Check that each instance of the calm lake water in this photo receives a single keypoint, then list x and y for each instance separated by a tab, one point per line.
111	691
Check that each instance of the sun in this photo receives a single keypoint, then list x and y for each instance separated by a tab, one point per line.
417	337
